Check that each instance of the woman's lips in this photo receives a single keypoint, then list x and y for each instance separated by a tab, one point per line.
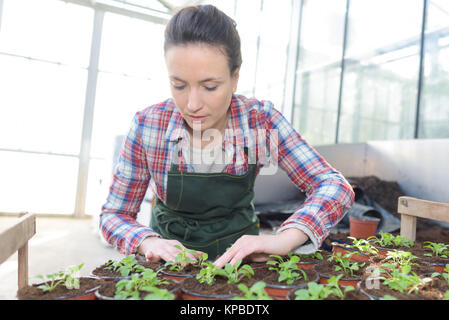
198	118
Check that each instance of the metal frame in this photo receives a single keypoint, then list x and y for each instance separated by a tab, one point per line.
421	68
292	60
84	156
342	69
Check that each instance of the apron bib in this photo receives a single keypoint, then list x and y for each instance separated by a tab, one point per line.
207	212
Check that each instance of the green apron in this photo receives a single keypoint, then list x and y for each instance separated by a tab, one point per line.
207	212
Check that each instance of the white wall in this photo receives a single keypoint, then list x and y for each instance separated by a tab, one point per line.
420	167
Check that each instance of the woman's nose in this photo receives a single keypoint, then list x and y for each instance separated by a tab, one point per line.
194	103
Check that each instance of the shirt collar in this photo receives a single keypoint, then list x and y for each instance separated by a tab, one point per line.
237	127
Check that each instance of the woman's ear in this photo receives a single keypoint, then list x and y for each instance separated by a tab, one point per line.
235	79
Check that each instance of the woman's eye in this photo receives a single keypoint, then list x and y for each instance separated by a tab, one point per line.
210	88
178	87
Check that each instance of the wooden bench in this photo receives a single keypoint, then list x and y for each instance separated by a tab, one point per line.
15	238
411	208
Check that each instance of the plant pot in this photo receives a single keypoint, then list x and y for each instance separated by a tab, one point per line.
192	289
362	228
88	285
326	270
358	257
352	295
107	291
110	275
377	291
279	290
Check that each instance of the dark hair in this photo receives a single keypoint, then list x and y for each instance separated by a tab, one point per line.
205	24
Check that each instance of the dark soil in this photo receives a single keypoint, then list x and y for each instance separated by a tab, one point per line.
327	268
188	270
271	277
102	272
219	288
433	290
32	292
109	289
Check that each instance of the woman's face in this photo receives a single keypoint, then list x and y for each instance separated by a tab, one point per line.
201	84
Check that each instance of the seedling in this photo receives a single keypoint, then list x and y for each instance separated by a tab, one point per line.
403	280
344	263
207	273
181	260
125	266
287	269
158	294
400	258
234	273
321	291
256	292
438	249
363	245
68	277
316	255
387	239
130	288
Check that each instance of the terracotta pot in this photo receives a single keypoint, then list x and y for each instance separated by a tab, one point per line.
174	276
362	228
308	265
176	291
186	294
439	267
87	295
358	257
342	282
280	291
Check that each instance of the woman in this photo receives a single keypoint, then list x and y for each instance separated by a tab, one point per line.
208	205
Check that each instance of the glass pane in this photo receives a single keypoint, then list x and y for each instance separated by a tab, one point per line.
136	79
381	70
131	46
318	74
37	183
434	110
47	29
274	39
42	105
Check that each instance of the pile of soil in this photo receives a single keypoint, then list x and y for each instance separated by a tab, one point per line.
109	289
386	194
102	272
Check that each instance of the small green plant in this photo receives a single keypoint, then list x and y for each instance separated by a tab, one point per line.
125	266
181	260
256	292
400	258
317	291
363	245
316	255
387	239
69	277
234	273
344	263
288	270
156	293
207	273
130	289
403	280
438	249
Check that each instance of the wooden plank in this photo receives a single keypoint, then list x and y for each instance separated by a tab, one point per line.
408	226
22	267
423	208
16	236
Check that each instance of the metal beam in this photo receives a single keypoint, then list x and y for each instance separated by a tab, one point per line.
421	68
141	13
88	119
292	60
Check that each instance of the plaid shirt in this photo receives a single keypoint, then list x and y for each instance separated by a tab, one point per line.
147	154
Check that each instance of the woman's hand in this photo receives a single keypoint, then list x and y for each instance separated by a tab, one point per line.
155	249
258	248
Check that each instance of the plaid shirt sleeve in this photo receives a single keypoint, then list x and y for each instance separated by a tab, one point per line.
329	195
129	184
